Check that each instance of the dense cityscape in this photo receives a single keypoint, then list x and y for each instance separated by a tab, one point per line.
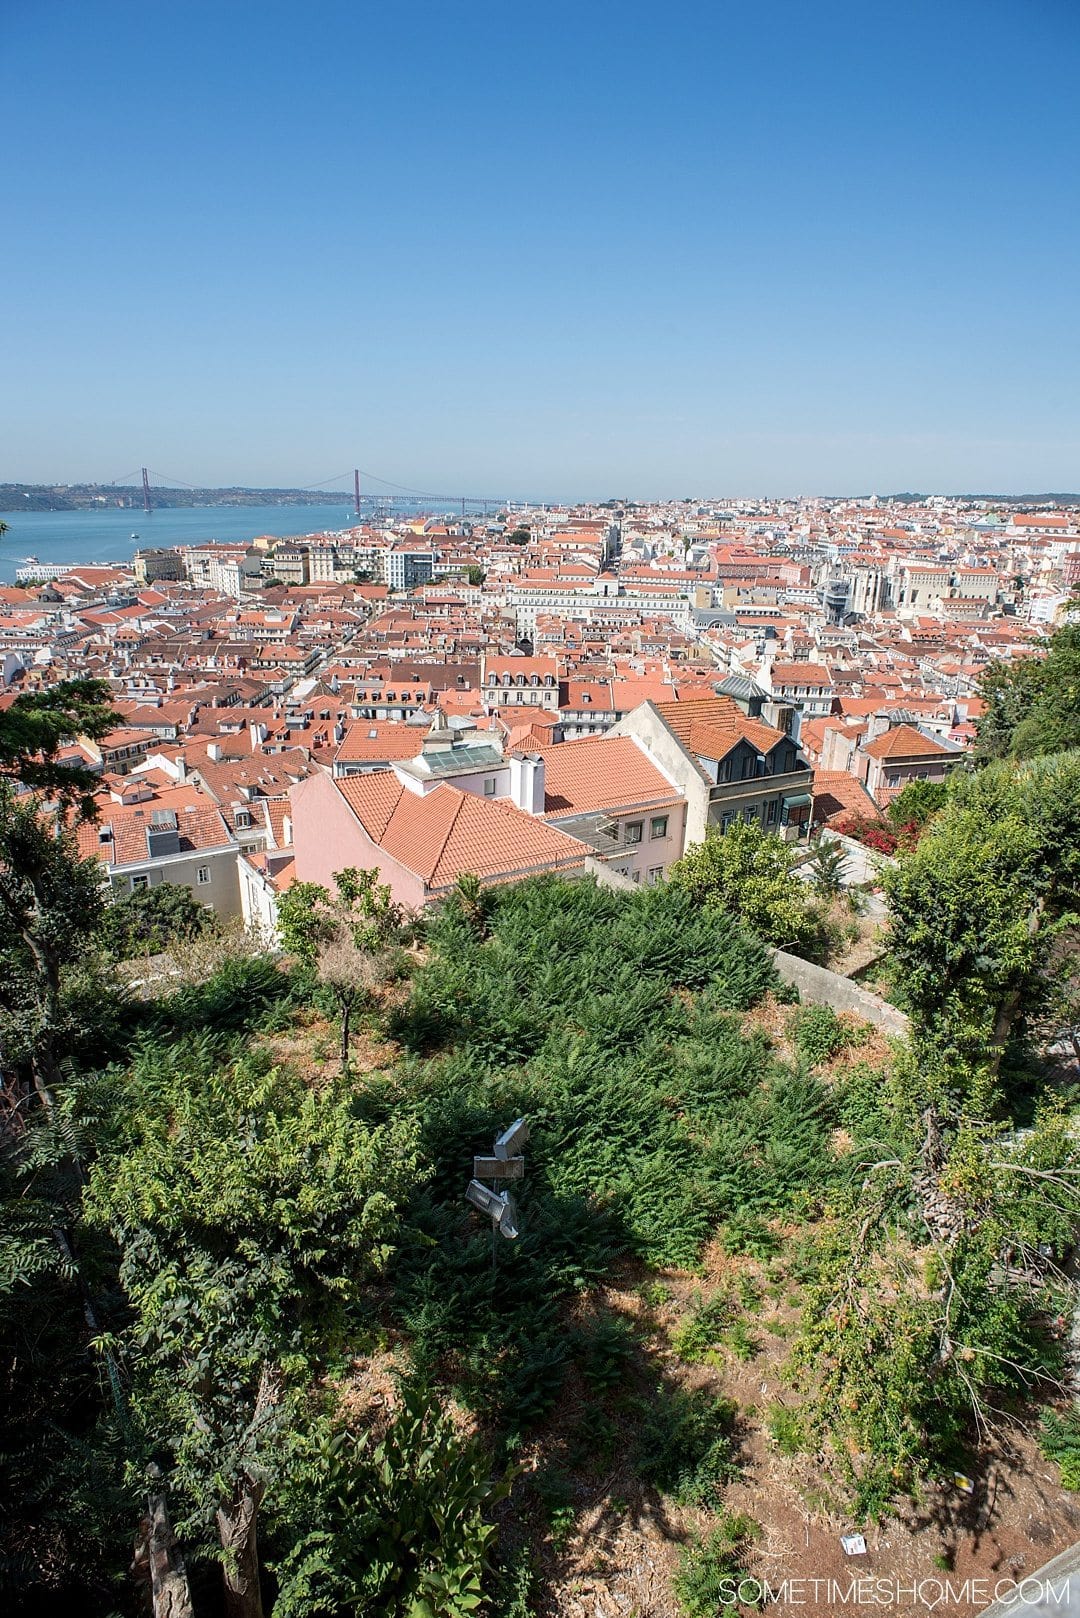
812	658
540	813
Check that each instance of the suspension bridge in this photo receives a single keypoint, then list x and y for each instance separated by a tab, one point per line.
380	501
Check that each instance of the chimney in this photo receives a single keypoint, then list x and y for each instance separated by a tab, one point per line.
213	751
527	782
181	768
257	732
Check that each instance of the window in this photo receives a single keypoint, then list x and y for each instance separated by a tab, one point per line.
489	787
138	882
749	815
770	814
635	876
655	873
204	875
634	831
658	827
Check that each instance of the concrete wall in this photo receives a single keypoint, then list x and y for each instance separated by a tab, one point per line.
821	987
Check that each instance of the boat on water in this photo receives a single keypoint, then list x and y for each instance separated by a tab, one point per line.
29	558
134	536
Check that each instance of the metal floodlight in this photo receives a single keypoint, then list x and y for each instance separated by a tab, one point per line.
498	1205
488	1202
494	1168
510	1142
509	1224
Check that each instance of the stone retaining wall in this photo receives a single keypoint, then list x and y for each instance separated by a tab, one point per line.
819	986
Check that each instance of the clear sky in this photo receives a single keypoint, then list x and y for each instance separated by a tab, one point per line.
554	249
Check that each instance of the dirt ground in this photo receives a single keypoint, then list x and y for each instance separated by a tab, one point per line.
620	1544
621	1557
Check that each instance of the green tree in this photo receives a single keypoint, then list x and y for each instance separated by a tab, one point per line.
351	974
826	867
1033	704
309	916
977	908
248	1211
749	873
150	919
938	1278
917	803
50	911
38	724
476	576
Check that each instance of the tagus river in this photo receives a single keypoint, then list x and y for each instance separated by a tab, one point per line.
114	536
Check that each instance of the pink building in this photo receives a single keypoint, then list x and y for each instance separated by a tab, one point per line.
420	842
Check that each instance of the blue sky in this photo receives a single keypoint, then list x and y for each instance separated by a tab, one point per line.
559	250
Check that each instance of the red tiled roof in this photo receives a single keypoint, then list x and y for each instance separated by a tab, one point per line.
836	794
903	741
602	772
379	741
712	726
445	832
198	822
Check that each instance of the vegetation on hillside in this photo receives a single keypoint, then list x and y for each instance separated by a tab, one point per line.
250	1326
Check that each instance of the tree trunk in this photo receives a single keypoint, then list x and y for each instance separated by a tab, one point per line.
346	1017
43	1063
237	1530
169	1589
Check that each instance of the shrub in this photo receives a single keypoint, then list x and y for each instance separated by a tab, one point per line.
603	1349
820	1035
741	1340
700	1333
785	1428
686	1447
1059	1440
748	1234
708	1582
392	1530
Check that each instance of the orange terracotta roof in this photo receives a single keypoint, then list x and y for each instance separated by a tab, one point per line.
602	772
445	832
837	794
198	822
379	741
712	726
903	741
